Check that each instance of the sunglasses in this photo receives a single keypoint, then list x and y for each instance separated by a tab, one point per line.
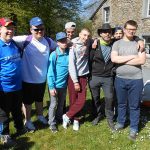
38	29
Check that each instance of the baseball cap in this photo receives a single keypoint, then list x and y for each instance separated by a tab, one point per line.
36	21
6	22
60	36
70	25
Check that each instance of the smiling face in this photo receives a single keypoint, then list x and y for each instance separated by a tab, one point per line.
7	32
37	31
70	33
106	35
84	35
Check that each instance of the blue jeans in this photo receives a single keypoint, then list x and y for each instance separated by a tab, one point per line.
129	93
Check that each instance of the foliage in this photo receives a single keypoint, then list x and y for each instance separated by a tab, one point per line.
55	13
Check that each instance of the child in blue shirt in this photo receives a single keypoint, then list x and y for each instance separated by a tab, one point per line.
57	80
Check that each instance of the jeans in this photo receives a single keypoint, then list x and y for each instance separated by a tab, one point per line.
129	91
56	106
106	83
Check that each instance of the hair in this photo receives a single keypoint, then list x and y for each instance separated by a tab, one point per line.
85	29
131	22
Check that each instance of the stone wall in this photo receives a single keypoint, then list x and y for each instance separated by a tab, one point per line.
120	12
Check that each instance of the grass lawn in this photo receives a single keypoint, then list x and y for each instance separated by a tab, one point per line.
87	138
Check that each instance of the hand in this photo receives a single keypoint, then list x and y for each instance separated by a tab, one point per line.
53	92
77	87
140	46
94	45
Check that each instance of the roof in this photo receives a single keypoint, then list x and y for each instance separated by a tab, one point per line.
101	2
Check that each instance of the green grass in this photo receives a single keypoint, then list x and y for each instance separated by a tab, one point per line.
87	138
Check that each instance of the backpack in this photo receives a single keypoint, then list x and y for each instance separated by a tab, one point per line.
27	41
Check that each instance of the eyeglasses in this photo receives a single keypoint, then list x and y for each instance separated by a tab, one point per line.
128	29
38	29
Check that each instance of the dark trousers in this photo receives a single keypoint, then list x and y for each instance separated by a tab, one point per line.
76	99
106	83
10	102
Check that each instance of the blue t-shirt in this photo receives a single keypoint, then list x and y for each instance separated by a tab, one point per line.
10	67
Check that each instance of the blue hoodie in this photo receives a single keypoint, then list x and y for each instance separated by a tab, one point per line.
58	69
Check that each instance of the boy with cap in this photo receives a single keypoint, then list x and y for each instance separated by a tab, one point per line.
70	28
34	69
57	80
10	82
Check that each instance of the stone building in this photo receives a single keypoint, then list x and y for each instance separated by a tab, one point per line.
117	12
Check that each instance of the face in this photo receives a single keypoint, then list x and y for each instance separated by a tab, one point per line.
106	35
62	43
70	33
37	31
118	34
84	36
130	31
7	33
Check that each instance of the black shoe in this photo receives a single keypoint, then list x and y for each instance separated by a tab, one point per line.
21	132
96	120
111	125
53	128
133	135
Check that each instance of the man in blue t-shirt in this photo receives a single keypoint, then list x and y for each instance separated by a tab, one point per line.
10	81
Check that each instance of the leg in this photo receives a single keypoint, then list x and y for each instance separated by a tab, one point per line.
122	96
52	110
80	100
95	92
61	101
135	94
16	110
27	111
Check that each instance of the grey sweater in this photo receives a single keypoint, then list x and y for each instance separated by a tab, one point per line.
78	60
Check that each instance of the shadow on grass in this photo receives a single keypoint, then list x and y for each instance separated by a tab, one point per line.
22	144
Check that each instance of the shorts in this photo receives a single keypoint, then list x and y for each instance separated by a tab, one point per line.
33	92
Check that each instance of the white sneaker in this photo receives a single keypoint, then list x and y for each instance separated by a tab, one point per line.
66	121
42	119
29	125
75	125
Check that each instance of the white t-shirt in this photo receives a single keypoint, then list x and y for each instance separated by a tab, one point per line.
35	59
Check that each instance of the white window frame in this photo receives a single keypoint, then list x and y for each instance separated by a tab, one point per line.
106	14
148	9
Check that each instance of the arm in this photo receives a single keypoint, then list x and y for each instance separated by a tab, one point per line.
140	45
51	74
115	58
138	60
73	69
20	40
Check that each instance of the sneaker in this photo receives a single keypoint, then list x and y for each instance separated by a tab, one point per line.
118	127
42	119
53	128
8	141
133	135
66	121
76	125
29	126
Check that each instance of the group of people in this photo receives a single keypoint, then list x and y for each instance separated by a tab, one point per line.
27	62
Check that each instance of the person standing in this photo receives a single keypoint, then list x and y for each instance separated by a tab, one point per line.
57	80
10	82
36	51
78	71
101	75
129	80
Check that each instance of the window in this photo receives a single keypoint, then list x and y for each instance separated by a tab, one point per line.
106	14
147	43
146	8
